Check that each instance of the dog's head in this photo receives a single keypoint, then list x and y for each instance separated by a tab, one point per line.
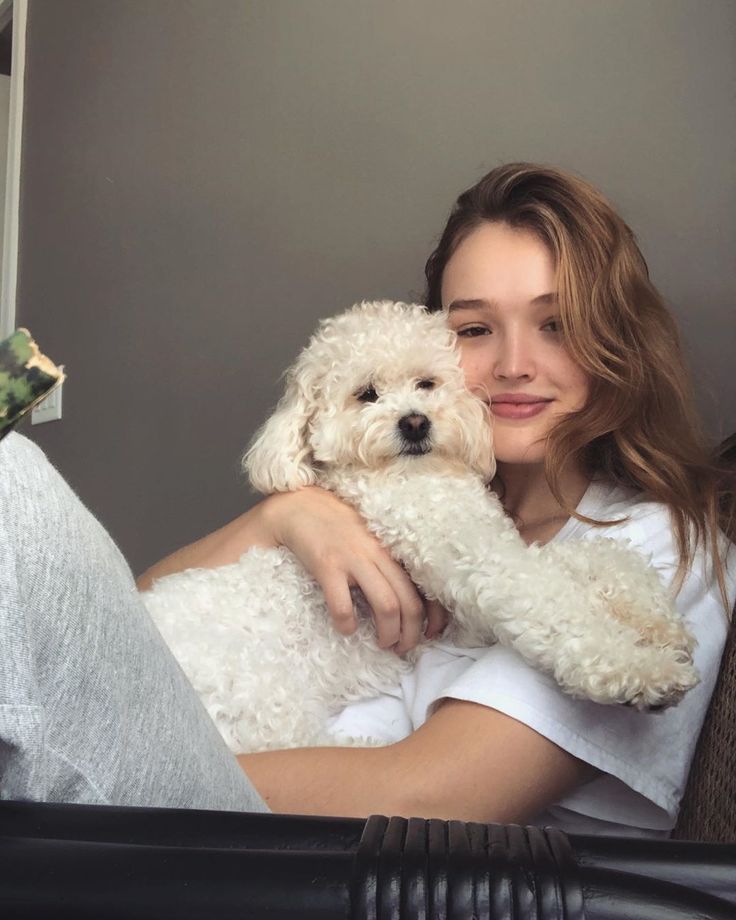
377	386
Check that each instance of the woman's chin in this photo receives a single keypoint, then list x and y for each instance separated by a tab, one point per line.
518	452
526	460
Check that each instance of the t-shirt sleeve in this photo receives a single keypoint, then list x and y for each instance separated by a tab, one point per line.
644	757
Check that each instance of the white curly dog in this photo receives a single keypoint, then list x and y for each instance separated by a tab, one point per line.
376	410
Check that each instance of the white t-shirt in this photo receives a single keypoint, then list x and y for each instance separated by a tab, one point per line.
644	757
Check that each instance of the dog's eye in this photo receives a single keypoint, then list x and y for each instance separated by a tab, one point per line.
367	395
425	384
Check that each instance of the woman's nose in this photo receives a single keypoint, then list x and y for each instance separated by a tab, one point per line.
514	357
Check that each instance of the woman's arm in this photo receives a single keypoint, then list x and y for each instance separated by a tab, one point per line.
331	541
467	762
221	547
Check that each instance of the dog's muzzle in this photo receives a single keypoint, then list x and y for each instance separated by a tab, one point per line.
414	430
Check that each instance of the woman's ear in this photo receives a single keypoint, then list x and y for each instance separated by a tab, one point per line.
279	458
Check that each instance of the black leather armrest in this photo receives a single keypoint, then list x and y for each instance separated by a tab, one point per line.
90	861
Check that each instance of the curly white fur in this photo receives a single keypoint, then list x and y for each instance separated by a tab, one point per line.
255	637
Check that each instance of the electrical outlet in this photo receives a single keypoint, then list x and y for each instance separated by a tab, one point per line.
49	409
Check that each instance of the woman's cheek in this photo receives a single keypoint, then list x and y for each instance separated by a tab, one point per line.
474	368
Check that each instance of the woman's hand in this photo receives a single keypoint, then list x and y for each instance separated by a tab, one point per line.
331	541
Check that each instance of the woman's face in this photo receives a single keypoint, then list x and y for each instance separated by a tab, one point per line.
499	290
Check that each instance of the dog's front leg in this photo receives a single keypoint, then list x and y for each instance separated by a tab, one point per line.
440	527
459	546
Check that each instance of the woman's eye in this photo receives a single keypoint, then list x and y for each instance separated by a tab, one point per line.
553	325
367	395
472	331
425	384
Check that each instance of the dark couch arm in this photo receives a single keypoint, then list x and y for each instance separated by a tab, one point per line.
101	862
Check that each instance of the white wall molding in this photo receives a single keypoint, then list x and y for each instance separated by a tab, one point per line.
19	10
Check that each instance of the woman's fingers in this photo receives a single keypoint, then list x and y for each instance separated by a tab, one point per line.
332	542
336	590
411	604
382	599
379	596
397	607
437	619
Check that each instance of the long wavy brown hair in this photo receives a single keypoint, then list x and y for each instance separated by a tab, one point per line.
639	426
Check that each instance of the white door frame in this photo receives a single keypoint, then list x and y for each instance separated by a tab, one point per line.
18	9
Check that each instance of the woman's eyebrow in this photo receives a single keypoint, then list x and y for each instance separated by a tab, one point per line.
477	304
482	304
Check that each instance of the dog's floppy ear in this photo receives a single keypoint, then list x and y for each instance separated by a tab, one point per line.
279	458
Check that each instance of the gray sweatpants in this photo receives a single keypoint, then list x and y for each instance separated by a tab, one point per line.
93	707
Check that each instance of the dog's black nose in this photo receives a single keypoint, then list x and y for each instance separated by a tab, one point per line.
414	427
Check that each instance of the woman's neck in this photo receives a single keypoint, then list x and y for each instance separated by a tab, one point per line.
526	496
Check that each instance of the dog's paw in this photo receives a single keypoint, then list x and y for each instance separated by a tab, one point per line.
644	678
662	690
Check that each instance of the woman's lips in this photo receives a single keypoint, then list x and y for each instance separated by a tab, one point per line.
518	409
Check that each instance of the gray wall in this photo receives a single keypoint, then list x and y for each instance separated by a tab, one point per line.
202	180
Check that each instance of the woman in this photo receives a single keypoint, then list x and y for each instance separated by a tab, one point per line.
562	333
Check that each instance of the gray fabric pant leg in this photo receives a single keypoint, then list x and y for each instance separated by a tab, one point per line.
93	707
